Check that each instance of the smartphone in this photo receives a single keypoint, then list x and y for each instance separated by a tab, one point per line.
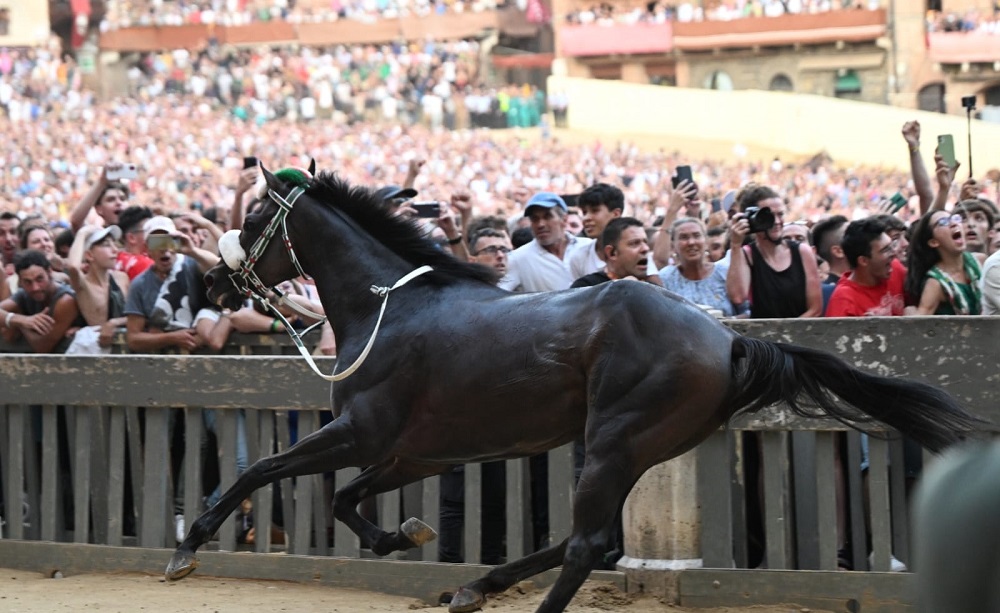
160	242
898	201
427	210
682	173
249	162
127	172
946	147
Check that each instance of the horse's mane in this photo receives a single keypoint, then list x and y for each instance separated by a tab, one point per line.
401	236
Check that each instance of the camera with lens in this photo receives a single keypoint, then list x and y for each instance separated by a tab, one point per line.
761	219
968	102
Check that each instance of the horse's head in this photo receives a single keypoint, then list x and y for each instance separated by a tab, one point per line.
260	256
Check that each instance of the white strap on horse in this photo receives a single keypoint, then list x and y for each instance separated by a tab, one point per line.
379	291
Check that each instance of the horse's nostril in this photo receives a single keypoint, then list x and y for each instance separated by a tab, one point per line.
209	280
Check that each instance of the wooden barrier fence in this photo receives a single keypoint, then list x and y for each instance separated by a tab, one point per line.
114	414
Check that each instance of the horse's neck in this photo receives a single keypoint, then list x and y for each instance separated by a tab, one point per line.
345	265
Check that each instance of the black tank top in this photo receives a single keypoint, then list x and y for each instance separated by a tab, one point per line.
116	299
777	294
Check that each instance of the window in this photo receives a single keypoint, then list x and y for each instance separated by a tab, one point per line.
781	83
720	81
848	82
4	21
931	98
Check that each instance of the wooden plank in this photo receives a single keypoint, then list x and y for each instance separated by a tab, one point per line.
741	553
116	476
136	466
777	520
899	515
518	509
50	493
826	511
806	499
156	487
226	432
81	476
422	580
5	473
798	590
14	484
561	490
715	498
300	533
345	542
263	507
878	493
283	438
856	515
413	506
430	492
473	513
194	431
99	461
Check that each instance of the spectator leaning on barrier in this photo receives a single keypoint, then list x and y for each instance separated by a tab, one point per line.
43	310
781	279
942	278
695	276
541	265
167	302
874	287
100	289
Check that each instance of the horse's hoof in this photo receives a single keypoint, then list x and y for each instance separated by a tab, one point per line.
181	565
417	531
466	600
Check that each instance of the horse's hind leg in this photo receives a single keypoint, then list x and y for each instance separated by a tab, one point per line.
385	477
472	597
329	448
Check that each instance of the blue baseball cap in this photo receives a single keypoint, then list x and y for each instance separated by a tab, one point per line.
545	200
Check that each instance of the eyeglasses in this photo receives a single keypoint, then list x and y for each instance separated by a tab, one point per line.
947	221
494	249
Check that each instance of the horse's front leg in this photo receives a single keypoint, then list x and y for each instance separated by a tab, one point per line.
388	476
330	448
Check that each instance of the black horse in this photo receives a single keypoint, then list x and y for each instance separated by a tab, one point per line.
461	371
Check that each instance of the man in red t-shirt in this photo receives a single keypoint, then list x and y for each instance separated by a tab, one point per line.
132	259
874	287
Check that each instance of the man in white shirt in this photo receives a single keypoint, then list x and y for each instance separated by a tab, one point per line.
990	285
543	264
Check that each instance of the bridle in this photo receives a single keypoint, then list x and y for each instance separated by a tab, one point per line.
248	283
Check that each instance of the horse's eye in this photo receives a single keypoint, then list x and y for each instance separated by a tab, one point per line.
250	225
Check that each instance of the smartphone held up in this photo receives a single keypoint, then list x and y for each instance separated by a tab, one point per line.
125	172
426	210
946	149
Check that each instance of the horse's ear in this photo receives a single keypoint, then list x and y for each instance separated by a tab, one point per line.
312	167
273	182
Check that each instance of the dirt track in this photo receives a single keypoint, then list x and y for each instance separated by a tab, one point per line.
25	592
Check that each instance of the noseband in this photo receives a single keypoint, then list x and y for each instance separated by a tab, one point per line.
246	281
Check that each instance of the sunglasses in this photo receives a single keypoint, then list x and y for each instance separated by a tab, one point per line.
947	221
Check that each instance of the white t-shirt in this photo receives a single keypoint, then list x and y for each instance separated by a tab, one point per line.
533	269
584	261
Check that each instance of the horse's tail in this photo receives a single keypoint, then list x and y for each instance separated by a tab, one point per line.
809	381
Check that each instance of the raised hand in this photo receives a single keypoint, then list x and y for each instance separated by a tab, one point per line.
911	133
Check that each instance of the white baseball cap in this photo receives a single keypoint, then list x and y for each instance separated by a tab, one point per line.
100	234
158	224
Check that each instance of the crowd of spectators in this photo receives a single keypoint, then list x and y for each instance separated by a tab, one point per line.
660	11
971	21
438	84
130	13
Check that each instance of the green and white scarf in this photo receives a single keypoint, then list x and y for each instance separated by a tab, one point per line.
955	295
